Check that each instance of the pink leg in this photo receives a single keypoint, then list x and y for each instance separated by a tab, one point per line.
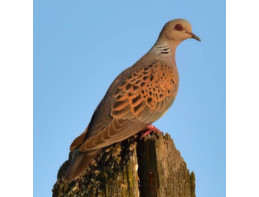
150	128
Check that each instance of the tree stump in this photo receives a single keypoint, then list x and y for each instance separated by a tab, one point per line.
149	167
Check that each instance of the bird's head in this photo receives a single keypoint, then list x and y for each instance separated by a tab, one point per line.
177	30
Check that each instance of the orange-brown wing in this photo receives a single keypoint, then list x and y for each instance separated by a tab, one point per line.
79	140
116	131
147	93
139	100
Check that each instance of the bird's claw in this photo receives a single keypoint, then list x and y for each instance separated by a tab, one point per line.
150	128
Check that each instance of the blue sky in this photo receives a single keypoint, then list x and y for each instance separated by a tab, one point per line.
81	46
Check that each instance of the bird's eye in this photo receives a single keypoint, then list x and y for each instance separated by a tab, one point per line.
179	27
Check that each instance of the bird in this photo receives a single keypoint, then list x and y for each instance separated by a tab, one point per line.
138	96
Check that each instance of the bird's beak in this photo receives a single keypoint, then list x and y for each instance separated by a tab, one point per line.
194	36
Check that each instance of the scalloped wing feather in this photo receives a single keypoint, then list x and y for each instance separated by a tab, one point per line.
78	141
116	131
146	94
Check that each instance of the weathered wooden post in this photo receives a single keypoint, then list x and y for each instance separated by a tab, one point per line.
135	167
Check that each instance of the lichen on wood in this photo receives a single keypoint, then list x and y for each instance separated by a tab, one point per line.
135	167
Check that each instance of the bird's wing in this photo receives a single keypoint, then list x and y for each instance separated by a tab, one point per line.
79	140
140	99
116	131
147	93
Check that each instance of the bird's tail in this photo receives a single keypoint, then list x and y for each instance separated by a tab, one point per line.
80	163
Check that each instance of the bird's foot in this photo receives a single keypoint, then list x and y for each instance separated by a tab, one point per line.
150	128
